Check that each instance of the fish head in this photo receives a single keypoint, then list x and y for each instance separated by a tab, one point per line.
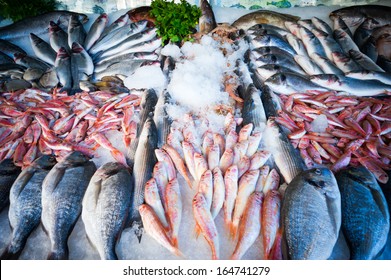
370	23
322	180
148	96
103	17
62	53
325	79
109	169
263	39
82	18
74	21
45	162
206	176
76	157
77	48
339	34
199	201
19	56
53	27
277	79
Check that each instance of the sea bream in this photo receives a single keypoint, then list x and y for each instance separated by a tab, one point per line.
62	193
105	207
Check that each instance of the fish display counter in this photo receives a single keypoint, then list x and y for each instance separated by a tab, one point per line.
256	128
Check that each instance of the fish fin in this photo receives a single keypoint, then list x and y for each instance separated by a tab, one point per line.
8	255
197	231
175	241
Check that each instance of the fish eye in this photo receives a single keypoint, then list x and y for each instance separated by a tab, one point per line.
282	78
318	172
321	184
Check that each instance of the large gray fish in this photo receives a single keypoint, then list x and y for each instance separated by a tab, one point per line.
345	41
365	213
369	48
253	111
76	32
311	215
269	40
311	42
364	61
267	29
371	75
263	17
103	65
355	15
161	118
339	23
117	37
31	62
326	65
288	83
62	193
118	23
321	25
95	31
9	48
8	174
353	86
58	37
42	49
207	21
106	206
63	69
328	42
286	61
286	157
38	24
365	30
123	68
345	63
81	66
25	204
144	162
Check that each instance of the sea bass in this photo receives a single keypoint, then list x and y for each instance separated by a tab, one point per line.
207	21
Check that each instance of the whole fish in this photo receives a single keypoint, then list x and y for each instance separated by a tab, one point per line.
370	49
30	61
339	23
218	192
85	66
42	49
152	198
328	42
118	23
205	186
8	174
95	31
102	65
205	224
25	204
144	162
345	63
345	41
355	15
269	40
58	37
250	225
62	65
307	23
371	75
62	194
266	71
162	120
365	213
253	111
174	208
308	65
351	85
269	50
365	30
311	42
326	65
263	17
121	68
321	25
207	21
270	221
105	207
38	24
311	215
76	32
231	177
364	61
288	62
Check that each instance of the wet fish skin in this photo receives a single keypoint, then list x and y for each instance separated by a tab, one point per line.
288	62
5	58
326	65
365	213
118	23
8	174
262	17
344	40
174	208
328	42
105	207
345	63
311	42
311	215
371	75
355	15
95	31
207	21
269	40
58	37
369	48
269	28
81	65
25	204
253	111
122	68
30	61
338	22
321	25
42	49
76	31
62	201
364	61
308	65
162	120
365	30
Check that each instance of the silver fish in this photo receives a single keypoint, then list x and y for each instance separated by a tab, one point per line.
269	40
269	50
364	61
95	31
365	214
106	205
371	75
8	174
369	48
84	62
268	70
296	44
42	49
76	32
328	43
25	204
339	23
321	25
308	65
345	63
30	61
207	21
365	30
120	68
118	23
344	40
311	215
62	193
253	111
311	42
63	69
287	61
260	29
326	65
58	37
161	118
10	49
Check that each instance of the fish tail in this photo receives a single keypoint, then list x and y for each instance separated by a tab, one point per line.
276	252
10	254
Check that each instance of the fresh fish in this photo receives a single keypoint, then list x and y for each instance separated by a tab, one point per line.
105	207
321	25
95	31
326	65
269	28
8	174
62	65
214	156
118	23
289	83
126	58
269	40
231	191
153	199
30	61
351	85
178	161
80	57
270	50
188	152
345	41
161	179
307	23
266	71
383	45
296	44
272	182
165	159
253	111
270	221
174	208
62	193
365	30
144	162
355	15
121	68
38	24
345	63
162	120
306	63
25	204
311	42
49	79
263	17
218	192
205	186
200	164
154	228
328	42
311	215
369	48
42	49
259	159
76	32
205	224
371	75
5	58
287	61
364	61
294	29
286	157
207	21
141	13
58	37
33	74
365	214
227	159
250	225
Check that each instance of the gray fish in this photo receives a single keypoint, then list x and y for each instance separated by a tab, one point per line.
144	162
259	32
326	65
321	25
286	157
58	37
365	30
95	31
5	58
85	66
263	17
384	63
30	61
269	40
344	40
123	68
62	193
266	71
355	15
365	214
364	61
76	32
339	23
271	103
8	174
126	58
32	74
270	29
162	120
270	50
371	75
353	86
311	42
106	206
345	63
288	62
9	48
253	111
118	23
42	49
288	83
369	48
307	23
207	21
296	44
328	43
63	69
25	204
311	215
49	79
306	63
38	24
16	84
